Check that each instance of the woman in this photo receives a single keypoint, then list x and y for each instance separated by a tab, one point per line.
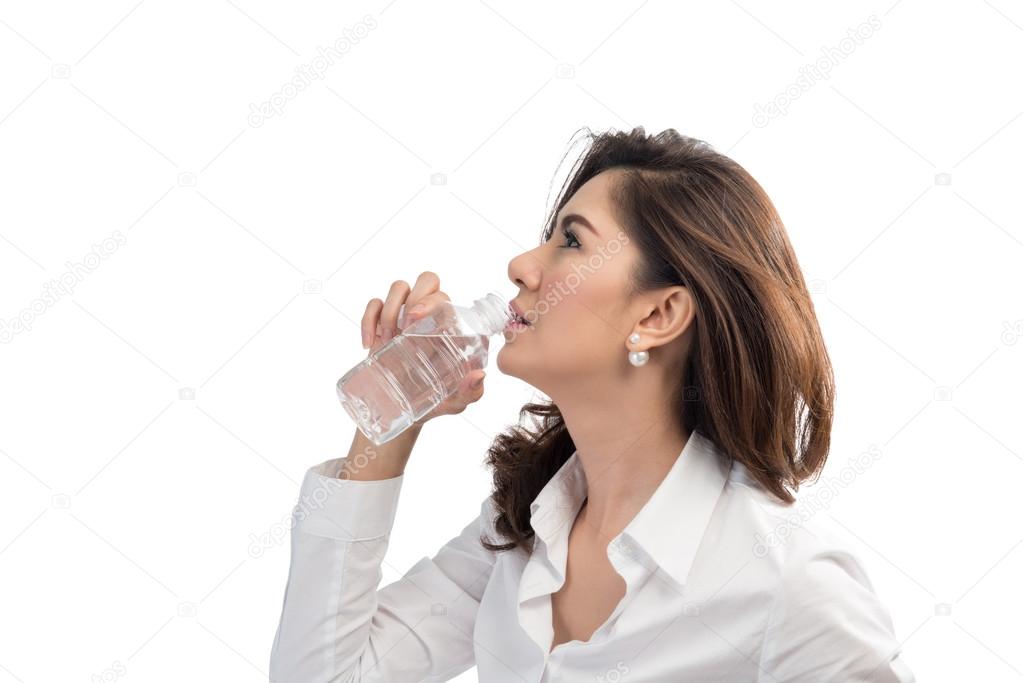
641	528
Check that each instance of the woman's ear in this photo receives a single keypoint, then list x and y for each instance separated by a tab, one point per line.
670	313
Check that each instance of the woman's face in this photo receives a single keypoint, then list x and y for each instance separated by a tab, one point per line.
573	291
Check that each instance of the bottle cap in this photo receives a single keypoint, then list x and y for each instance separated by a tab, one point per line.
494	313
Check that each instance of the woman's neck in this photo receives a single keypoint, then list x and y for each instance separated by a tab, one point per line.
625	454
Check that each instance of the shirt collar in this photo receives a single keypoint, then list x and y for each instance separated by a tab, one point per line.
670	524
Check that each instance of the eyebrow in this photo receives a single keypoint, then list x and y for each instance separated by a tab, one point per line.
578	218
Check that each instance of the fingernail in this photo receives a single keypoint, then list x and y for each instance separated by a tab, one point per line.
475	384
417	309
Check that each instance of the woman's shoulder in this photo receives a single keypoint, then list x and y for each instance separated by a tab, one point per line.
785	543
818	604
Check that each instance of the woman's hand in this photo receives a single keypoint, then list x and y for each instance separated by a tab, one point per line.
380	325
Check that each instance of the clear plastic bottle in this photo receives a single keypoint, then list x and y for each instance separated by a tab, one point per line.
417	370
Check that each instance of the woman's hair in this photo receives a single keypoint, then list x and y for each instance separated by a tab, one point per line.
757	381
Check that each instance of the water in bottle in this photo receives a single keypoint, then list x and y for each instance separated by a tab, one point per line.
411	374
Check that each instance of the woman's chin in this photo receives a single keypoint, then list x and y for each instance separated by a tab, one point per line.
506	362
502	364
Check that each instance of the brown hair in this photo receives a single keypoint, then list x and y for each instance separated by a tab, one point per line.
757	381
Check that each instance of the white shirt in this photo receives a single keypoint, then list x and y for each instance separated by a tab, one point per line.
706	600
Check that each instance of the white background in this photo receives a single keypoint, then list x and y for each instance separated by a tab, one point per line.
157	418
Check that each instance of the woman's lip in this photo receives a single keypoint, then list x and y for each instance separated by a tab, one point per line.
518	311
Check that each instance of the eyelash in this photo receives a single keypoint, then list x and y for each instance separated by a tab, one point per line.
570	237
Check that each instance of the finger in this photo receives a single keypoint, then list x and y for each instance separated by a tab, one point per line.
428	303
389	315
426	283
474	385
465	395
416	305
369	322
466	392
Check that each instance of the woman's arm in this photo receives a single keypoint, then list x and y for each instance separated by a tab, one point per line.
368	462
335	624
827	624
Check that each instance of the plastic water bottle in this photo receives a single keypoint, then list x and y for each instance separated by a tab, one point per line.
417	370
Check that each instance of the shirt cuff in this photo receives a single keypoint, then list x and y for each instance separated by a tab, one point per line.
345	509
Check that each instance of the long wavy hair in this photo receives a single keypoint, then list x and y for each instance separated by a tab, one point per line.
757	381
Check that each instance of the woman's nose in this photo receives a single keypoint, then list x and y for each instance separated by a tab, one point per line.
525	271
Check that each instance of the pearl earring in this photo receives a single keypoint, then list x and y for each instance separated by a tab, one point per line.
637	358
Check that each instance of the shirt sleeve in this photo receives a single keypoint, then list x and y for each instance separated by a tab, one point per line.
827	624
336	625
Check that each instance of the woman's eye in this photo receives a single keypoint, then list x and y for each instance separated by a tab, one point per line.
570	240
